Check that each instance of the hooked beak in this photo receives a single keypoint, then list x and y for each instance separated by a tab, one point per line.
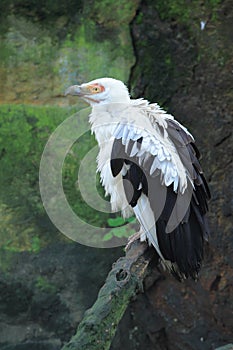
74	90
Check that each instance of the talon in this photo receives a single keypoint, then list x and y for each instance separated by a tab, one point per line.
132	239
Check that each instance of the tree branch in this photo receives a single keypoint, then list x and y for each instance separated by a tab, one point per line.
124	281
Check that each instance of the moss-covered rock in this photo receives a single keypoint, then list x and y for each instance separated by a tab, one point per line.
46	48
44	295
172	39
186	65
24	132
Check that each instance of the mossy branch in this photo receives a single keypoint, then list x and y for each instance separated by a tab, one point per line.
125	280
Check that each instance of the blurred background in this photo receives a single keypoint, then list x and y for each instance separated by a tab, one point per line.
178	53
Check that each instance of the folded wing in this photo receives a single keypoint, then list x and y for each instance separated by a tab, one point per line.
165	186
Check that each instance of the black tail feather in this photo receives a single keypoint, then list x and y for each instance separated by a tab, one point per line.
184	245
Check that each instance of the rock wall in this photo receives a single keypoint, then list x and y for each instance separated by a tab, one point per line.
46	49
178	53
45	285
188	69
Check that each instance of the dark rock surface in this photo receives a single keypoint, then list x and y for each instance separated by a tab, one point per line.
44	295
176	67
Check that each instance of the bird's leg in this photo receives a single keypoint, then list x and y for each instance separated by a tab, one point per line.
133	238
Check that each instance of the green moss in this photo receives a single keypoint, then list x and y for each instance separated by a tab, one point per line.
113	13
91	54
39	60
160	66
44	285
24	131
23	134
17	233
173	9
7	260
26	61
70	175
45	11
99	324
184	11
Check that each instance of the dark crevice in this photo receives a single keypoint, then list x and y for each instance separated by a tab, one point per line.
134	44
194	71
215	283
222	167
219	143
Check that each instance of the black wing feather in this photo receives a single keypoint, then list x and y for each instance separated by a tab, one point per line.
184	245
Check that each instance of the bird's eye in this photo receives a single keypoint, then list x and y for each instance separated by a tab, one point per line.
95	88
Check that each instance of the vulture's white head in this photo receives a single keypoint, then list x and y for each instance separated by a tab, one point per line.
101	91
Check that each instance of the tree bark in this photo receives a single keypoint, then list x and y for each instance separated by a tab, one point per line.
125	280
